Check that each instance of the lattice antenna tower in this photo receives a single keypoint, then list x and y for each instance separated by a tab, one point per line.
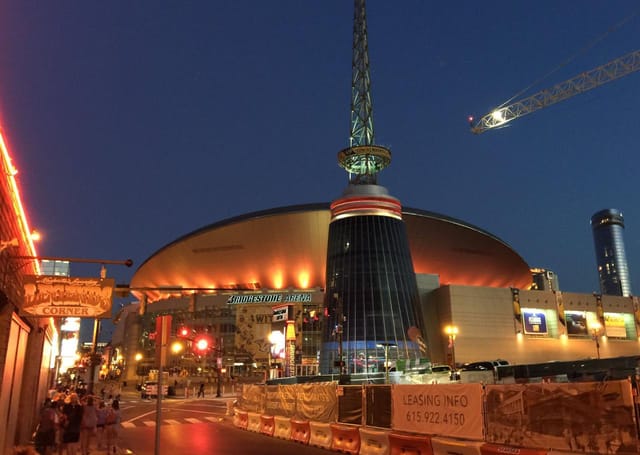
363	160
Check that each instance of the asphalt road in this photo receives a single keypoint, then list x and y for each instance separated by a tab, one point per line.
194	426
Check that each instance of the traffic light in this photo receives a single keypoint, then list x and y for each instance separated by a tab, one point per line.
202	343
184	332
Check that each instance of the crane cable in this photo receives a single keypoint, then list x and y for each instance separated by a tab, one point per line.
571	58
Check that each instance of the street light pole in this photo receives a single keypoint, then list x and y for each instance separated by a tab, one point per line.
218	366
595	332
452	331
339	329
386	347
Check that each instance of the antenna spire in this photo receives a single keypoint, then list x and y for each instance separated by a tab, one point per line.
363	160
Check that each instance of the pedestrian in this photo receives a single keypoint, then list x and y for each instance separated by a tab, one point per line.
101	416
72	410
112	423
45	439
201	390
58	403
88	425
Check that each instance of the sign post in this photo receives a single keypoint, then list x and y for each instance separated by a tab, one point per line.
163	330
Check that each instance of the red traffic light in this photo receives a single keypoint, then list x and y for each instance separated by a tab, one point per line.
184	332
202	343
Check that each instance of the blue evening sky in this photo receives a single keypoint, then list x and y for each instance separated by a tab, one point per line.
134	123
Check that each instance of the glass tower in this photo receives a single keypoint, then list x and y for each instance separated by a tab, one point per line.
608	237
372	301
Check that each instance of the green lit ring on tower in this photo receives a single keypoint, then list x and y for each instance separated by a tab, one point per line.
364	159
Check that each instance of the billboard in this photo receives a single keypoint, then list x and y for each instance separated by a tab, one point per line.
614	325
576	322
534	321
62	296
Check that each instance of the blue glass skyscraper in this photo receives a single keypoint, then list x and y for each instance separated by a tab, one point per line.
608	237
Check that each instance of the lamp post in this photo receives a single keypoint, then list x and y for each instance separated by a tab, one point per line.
338	332
386	347
219	353
452	331
138	358
595	327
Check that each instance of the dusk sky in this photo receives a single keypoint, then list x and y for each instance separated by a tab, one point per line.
135	123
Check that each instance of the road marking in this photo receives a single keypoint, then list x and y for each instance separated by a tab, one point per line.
214	419
128	425
172	422
193	420
149	423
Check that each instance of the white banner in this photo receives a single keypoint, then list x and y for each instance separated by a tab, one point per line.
438	409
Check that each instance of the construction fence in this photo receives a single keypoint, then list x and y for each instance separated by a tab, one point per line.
586	417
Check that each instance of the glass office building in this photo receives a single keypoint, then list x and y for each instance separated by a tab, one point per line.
372	294
608	237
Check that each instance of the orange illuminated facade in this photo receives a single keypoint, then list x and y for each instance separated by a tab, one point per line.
285	248
29	344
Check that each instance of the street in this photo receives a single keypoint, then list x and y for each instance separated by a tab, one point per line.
194	425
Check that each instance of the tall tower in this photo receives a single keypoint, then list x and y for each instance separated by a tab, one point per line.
608	237
372	296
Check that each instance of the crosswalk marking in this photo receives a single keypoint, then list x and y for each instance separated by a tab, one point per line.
177	421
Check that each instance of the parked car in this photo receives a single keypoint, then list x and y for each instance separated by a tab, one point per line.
485	371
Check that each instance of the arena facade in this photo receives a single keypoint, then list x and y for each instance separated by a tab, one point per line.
240	280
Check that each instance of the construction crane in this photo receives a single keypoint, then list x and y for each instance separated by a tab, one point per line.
581	83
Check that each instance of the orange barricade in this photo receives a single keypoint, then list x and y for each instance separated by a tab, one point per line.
345	438
495	449
374	441
408	444
445	446
253	422
320	435
300	431
267	425
283	427
240	419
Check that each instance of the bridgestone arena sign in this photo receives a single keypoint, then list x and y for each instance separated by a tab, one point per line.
269	298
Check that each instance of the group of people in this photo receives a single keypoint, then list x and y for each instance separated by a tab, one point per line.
67	425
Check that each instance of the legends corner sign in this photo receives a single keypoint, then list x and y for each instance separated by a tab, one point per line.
60	296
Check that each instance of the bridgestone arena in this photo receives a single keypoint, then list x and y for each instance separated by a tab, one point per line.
255	285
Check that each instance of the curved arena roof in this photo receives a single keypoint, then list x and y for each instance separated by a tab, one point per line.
286	248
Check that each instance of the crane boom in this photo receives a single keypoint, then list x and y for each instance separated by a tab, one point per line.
583	82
